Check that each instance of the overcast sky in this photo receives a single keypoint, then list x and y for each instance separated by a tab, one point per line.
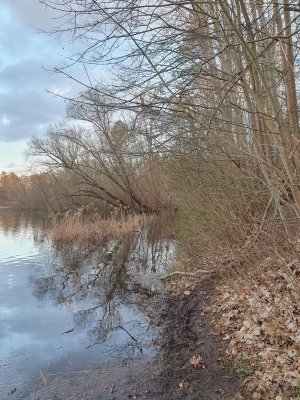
26	55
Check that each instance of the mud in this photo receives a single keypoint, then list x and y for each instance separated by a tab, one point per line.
188	332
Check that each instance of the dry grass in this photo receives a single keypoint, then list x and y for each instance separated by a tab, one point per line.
75	227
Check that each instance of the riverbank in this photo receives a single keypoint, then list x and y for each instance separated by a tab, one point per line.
193	366
234	334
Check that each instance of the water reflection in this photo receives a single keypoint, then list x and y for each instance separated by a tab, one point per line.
71	306
16	221
97	285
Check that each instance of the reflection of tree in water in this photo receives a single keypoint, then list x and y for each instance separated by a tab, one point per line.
12	221
96	285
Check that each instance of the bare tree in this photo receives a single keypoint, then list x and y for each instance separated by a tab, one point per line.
108	157
226	70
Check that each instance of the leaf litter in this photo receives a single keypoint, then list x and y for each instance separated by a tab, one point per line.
260	322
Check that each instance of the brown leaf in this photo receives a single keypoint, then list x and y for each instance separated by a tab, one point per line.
183	385
196	362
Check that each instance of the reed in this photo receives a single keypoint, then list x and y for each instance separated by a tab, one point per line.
75	227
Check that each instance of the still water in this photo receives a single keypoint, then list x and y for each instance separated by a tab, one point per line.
69	309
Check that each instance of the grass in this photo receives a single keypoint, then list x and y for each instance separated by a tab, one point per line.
297	389
74	227
242	365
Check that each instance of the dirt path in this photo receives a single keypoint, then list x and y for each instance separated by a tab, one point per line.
189	333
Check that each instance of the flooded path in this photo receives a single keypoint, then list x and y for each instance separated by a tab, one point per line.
75	321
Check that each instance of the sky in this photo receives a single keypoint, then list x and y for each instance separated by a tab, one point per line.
26	73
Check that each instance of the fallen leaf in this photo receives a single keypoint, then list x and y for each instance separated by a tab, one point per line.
196	362
183	385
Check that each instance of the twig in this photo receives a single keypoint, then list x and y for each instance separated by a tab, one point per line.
199	271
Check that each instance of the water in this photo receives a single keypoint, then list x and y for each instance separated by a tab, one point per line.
66	310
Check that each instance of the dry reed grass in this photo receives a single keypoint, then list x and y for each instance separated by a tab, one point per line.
75	227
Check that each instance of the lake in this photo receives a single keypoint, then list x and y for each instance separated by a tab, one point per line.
75	321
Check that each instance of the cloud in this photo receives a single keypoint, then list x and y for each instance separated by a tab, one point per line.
27	57
31	12
18	41
25	106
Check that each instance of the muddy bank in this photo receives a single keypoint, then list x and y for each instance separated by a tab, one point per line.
191	358
188	364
